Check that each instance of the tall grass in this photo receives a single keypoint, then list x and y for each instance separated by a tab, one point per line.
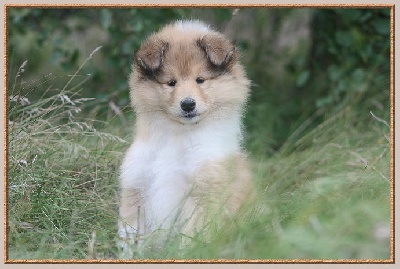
62	175
324	195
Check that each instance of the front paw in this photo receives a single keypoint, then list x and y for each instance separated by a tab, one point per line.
129	242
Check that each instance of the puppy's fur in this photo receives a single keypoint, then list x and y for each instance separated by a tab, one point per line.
186	164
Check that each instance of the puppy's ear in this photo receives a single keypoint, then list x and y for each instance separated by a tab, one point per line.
150	56
218	49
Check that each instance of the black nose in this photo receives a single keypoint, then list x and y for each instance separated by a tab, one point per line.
188	105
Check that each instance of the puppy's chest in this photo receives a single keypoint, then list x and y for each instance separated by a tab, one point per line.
174	158
178	158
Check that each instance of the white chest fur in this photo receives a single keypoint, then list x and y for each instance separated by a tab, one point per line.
162	165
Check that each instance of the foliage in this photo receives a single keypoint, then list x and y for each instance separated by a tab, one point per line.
351	53
345	58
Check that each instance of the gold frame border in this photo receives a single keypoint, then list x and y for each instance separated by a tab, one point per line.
391	260
200	6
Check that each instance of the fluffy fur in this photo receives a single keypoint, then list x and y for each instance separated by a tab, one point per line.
185	165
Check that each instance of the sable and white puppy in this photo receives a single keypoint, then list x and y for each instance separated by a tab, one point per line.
186	164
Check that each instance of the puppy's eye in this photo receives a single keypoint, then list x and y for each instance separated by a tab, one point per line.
200	80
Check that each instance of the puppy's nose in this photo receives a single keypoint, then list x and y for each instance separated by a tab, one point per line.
188	105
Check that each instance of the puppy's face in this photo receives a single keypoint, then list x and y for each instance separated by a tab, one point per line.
187	75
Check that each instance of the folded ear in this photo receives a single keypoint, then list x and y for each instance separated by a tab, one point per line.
218	49
150	56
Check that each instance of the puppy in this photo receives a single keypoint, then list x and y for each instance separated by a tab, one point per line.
185	168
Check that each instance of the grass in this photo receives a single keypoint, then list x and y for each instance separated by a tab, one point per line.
324	195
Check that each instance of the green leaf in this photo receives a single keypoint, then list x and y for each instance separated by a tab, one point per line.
302	78
344	38
106	18
223	14
334	72
324	101
382	26
139	26
359	75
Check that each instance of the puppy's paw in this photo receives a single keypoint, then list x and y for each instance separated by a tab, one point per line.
129	242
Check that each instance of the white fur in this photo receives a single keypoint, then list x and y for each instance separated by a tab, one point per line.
192	25
162	164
